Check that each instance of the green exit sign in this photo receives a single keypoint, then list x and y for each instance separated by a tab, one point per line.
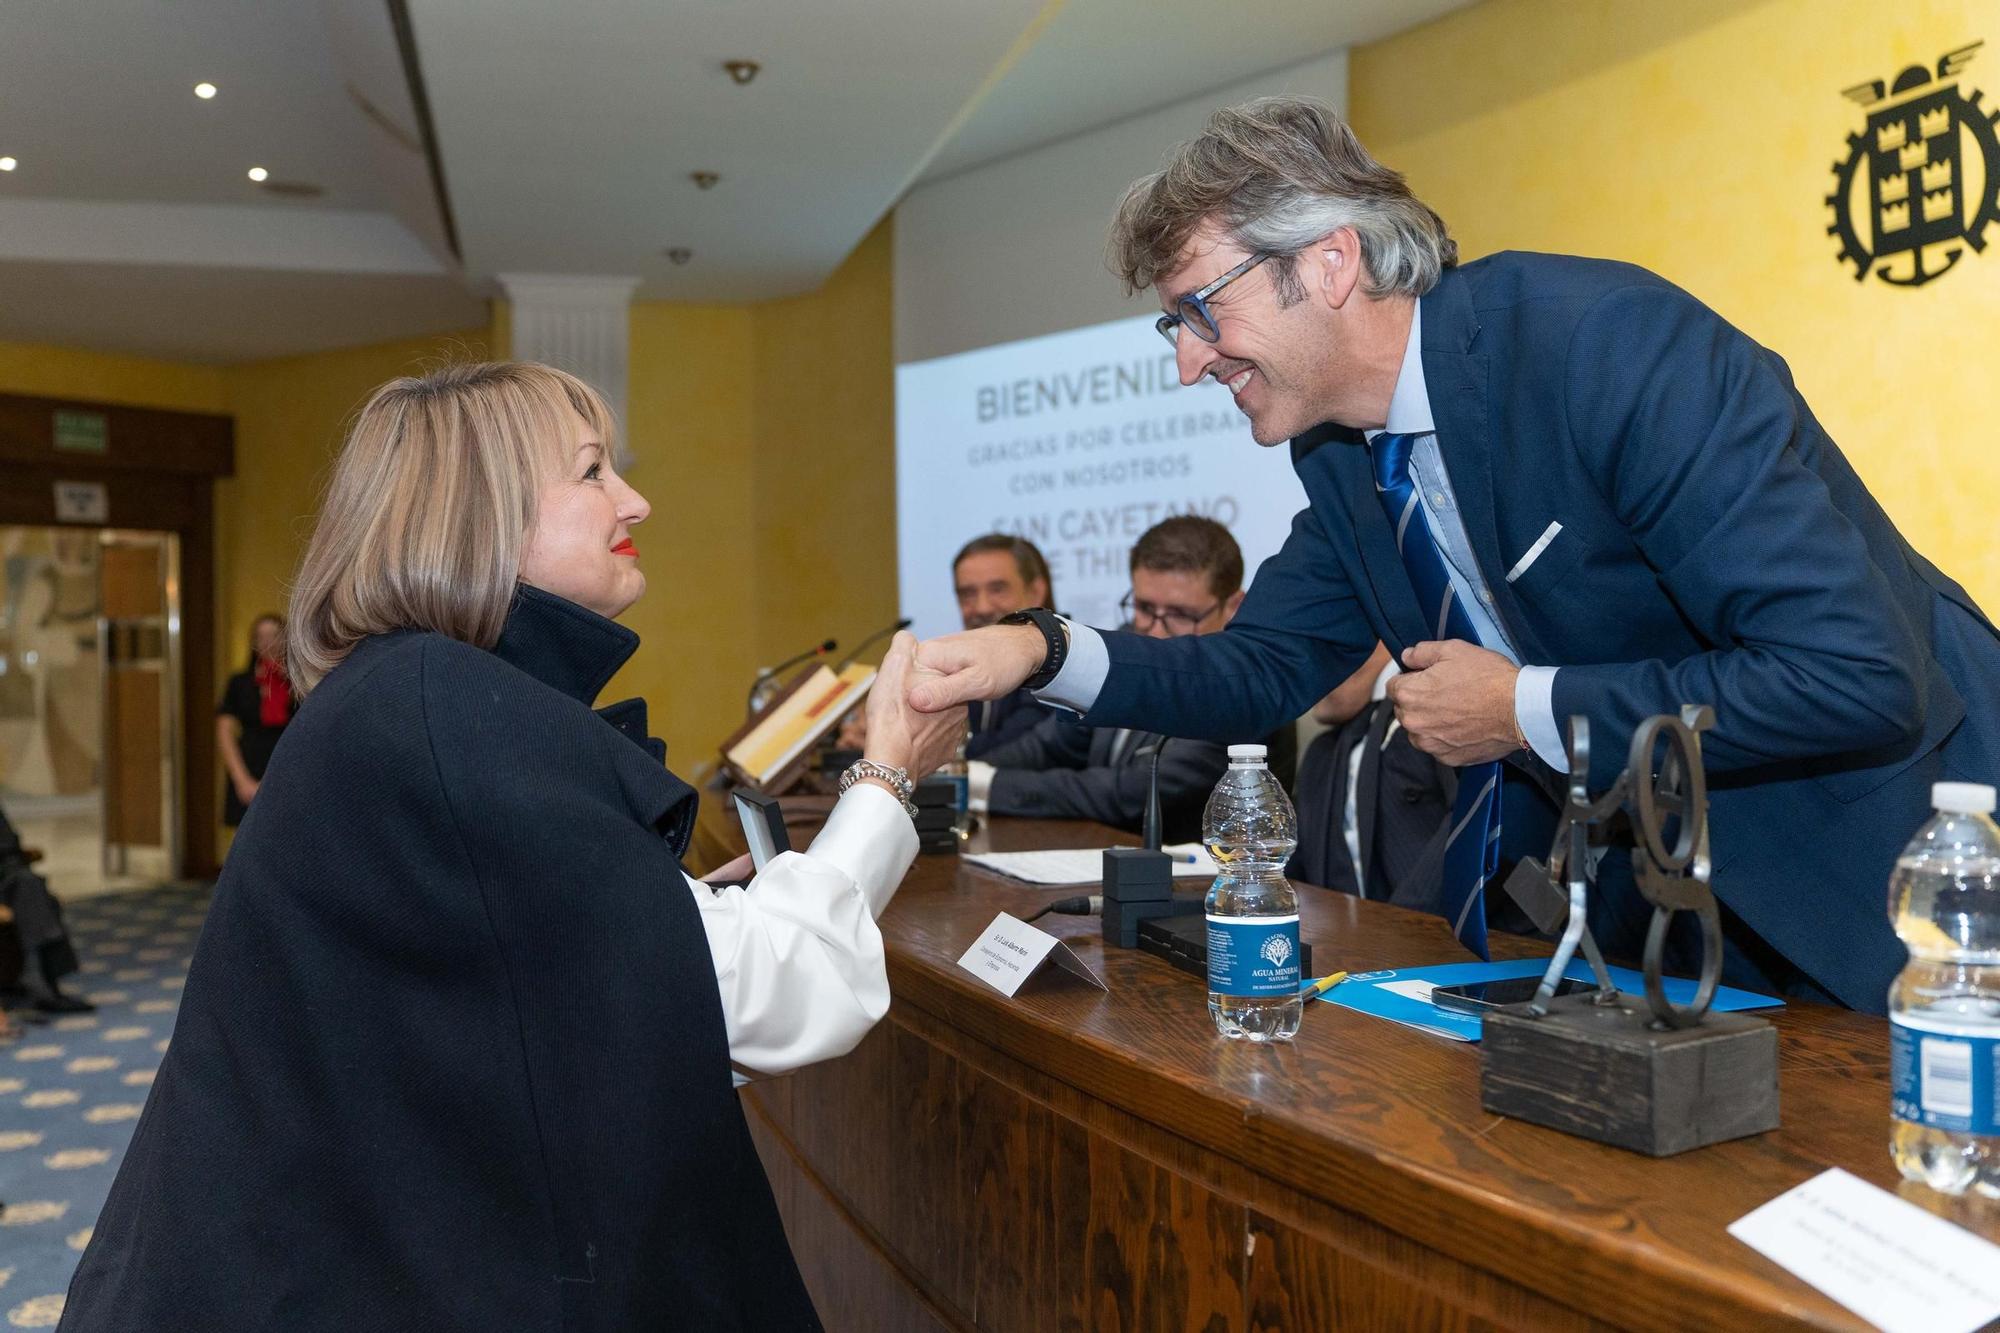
81	432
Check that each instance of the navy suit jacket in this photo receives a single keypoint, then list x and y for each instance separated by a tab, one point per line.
1063	769
997	722
1715	547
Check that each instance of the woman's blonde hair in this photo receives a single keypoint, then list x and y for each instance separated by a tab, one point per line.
430	505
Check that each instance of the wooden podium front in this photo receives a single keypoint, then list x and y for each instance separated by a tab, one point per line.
1078	1160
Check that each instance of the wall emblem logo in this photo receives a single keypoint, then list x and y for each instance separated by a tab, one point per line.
1921	181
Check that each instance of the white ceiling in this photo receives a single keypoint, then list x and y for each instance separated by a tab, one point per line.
566	135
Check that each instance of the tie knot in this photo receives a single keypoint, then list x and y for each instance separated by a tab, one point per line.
1390	454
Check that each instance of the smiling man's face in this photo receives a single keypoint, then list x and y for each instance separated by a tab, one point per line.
1290	366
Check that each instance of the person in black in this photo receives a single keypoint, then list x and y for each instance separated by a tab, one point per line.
35	949
256	706
456	1047
1187	579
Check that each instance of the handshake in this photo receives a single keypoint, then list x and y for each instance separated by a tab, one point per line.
915	715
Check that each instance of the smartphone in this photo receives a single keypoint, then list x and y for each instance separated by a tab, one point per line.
1476	996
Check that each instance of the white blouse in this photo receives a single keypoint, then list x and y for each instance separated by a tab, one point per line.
798	958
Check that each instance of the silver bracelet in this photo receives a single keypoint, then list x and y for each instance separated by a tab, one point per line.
897	778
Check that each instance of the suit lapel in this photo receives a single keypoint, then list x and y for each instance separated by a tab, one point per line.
1396	600
1457	380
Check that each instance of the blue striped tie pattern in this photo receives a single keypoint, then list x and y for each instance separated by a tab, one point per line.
1472	851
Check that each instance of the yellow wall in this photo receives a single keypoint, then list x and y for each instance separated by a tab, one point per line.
1697	138
764	438
67	372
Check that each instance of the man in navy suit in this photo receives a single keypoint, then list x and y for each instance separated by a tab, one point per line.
1555	487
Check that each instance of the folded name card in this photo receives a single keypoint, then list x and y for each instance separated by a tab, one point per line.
1900	1268
1010	951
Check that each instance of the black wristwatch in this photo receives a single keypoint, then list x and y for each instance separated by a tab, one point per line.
1052	630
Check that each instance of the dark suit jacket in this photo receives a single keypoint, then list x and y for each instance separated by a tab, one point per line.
451	1053
1066	770
1715	547
996	722
1402	809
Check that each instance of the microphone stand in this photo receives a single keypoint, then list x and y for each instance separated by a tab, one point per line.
750	704
879	634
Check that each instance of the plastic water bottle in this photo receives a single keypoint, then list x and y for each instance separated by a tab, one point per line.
1253	911
1944	1009
959	771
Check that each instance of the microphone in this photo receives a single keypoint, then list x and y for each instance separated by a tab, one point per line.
879	634
1152	827
821	650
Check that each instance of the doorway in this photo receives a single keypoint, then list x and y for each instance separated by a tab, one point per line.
92	765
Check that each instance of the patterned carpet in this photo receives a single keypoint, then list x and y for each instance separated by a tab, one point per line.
70	1092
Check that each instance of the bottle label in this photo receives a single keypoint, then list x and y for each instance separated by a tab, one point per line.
1944	1077
1256	956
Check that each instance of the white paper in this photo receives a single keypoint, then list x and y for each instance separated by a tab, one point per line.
1085	865
1420	991
1902	1269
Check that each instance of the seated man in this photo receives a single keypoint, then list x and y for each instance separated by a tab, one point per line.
1372	807
36	946
1187	578
997	575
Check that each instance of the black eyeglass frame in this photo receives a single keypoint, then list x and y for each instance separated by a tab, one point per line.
1130	607
1193	312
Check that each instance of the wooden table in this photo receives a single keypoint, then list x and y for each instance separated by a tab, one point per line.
1071	1159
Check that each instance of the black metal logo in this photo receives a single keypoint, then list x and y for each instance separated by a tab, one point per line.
1923	173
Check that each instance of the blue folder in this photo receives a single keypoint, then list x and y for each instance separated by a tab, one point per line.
1377	993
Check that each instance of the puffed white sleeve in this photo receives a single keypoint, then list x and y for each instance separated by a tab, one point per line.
798	958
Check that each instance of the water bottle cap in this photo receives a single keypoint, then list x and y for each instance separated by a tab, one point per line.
1251	754
1963	798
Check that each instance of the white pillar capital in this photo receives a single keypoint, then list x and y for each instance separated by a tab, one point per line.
577	323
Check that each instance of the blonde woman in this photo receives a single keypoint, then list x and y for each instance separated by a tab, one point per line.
455	1050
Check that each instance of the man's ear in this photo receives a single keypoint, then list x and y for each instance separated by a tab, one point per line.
1229	607
1038	592
1336	266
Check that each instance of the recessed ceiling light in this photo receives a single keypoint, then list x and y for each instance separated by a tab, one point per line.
679	254
8	164
204	91
742	70
258	173
704	180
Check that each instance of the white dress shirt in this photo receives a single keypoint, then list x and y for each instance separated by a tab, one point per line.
1083	671
798	958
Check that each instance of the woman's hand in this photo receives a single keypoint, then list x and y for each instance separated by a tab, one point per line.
898	735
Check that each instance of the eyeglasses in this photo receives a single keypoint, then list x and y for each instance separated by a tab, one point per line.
1143	615
1192	309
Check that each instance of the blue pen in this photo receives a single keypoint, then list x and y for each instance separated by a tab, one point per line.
1185	858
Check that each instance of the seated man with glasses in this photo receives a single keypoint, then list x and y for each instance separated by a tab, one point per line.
1187	578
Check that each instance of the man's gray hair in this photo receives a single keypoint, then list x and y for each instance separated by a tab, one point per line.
1275	175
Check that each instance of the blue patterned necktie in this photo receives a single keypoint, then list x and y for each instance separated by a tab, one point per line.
1472	852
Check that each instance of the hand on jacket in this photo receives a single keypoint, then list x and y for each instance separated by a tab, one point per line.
899	735
1457	702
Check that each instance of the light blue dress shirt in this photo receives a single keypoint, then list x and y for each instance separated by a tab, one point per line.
1083	671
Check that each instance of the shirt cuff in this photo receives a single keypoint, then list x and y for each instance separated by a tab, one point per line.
1535	710
978	782
870	839
1083	670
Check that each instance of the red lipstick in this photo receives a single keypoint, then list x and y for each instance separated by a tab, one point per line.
626	548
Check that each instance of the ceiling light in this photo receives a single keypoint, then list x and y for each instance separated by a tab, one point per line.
704	180
204	91
679	254
258	173
742	70
8	164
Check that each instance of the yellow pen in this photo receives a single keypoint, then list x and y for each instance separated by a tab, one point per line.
1324	984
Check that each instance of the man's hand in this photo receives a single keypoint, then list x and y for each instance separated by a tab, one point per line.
1457	702
984	663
